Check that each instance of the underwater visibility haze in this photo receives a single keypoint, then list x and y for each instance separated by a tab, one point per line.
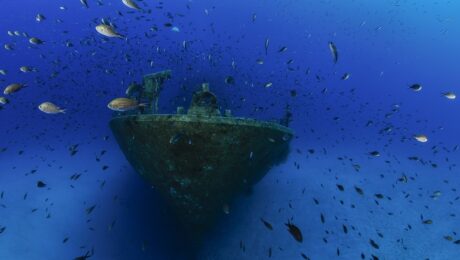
265	129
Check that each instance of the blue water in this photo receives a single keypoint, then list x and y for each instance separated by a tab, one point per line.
385	46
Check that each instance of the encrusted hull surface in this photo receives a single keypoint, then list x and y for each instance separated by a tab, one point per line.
198	163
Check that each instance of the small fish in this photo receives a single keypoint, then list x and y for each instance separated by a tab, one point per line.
73	149
267	44
403	179
295	232
229	80
340	187
131	4
427	222
436	195
50	108
175	29
346	76
268	84
421	138
65	240
110	227
27	69
40	18
86	256
8	47
379	196
12	88
359	190
448	238
449	95
373	244
345	229
266	224
282	49
84	3
108	31
3	72
124	104
90	209
416	87
374	153
226	209
4	101
41	184
36	41
334	52
2	229
175	138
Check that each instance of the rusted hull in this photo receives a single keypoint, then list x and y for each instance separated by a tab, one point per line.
199	163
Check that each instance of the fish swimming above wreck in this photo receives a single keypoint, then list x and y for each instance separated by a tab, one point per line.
199	159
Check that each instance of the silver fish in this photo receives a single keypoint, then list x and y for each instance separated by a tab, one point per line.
333	49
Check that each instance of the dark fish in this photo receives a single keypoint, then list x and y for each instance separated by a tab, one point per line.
90	209
448	238
322	218
359	190
374	153
295	231
378	196
73	149
346	76
65	240
373	244
304	256
41	184
403	179
267	224
267	43
175	138
84	3
2	229
340	187
333	49
229	80
282	49
86	256
416	87
427	221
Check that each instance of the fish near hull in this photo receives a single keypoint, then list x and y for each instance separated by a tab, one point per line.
199	163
